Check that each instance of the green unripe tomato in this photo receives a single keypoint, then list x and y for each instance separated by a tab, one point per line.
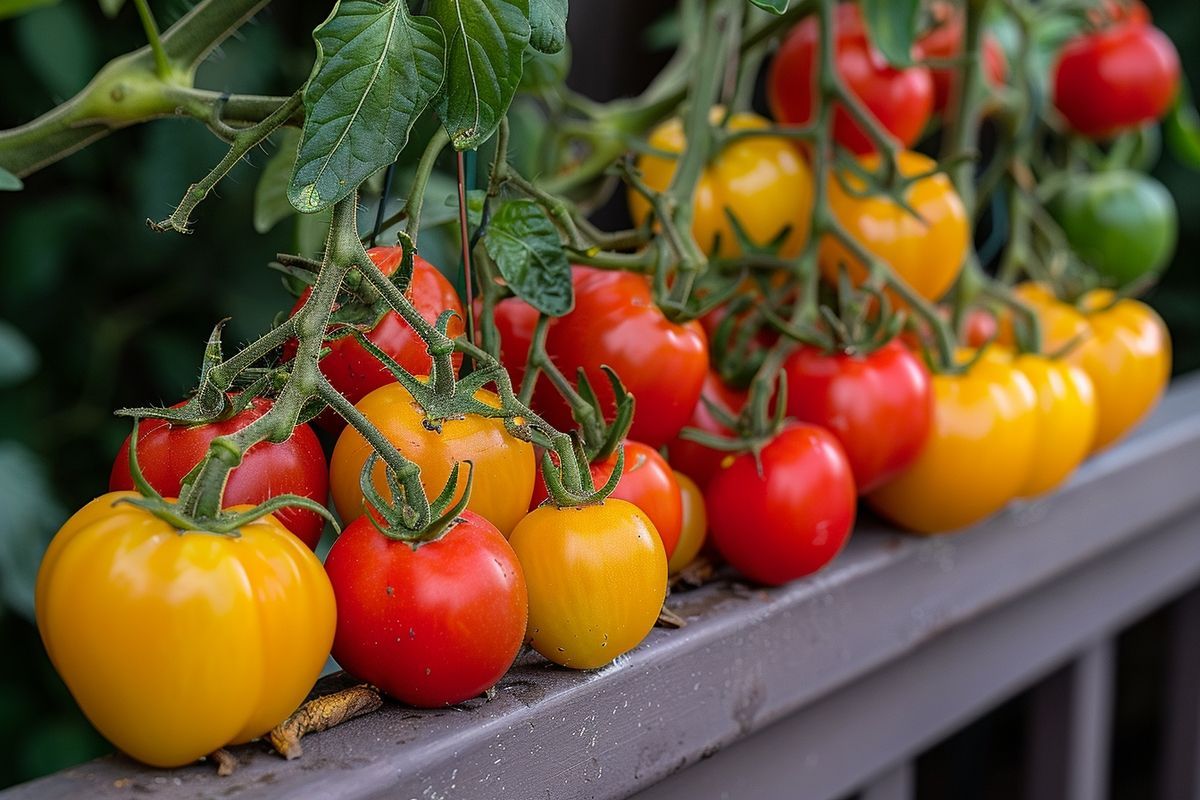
1121	223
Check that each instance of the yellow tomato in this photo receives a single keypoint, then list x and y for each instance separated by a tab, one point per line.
1060	323
979	453
1066	416
503	465
176	643
695	524
927	252
762	180
1128	358
597	578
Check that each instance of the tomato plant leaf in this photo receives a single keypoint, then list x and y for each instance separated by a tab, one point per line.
378	67
15	8
111	7
774	6
485	47
9	182
548	25
271	204
1182	127
31	516
543	71
893	28
525	245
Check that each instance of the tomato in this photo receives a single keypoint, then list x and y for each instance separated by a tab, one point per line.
1066	411
615	323
927	252
763	181
944	42
1128	358
979	453
166	453
1061	324
647	482
432	623
176	643
698	461
879	406
787	513
694	527
901	99
1121	223
597	578
352	370
503	465
1116	79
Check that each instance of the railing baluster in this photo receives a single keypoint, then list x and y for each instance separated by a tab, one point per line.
1180	772
1070	723
895	784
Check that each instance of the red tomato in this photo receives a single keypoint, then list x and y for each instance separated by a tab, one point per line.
693	459
1116	79
431	624
615	323
786	514
647	482
879	406
901	99
352	370
945	42
166	453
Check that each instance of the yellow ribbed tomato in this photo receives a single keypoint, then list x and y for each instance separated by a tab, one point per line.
1066	415
927	252
695	524
762	180
503	466
1128	358
979	453
176	643
597	578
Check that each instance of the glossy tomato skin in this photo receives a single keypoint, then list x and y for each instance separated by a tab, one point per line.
979	453
503	465
352	370
175	643
1066	412
927	252
615	323
901	99
790	519
166	453
763	181
1116	79
1062	325
879	406
694	528
646	481
698	461
433	624
597	578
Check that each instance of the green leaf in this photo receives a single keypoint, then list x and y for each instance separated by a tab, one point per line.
893	28
548	24
525	245
18	358
15	8
111	7
311	232
544	71
31	516
271	204
485	46
1182	127
9	182
774	6
378	68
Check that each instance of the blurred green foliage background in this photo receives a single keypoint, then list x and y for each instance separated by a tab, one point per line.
98	312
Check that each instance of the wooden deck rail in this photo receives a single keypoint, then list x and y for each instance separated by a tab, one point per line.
828	686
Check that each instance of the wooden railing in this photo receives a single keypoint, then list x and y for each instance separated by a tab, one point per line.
820	689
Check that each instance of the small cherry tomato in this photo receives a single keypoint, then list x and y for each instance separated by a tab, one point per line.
177	643
879	406
646	481
787	513
597	578
694	528
503	465
762	181
166	453
1061	324
944	42
431	623
1066	411
927	252
900	99
979	454
698	461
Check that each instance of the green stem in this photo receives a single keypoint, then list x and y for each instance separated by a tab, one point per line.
416	196
162	65
965	99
